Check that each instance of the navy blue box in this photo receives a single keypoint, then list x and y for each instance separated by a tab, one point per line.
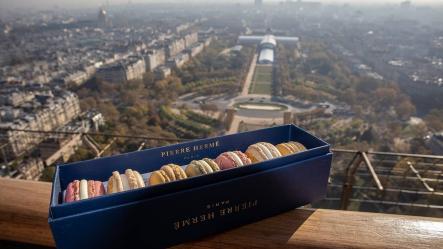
169	214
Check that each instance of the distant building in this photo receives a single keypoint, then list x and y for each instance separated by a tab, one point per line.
122	71
102	19
76	78
267	45
14	97
303	4
256	39
182	27
154	58
266	56
30	169
405	4
195	49
236	49
162	72
57	148
179	60
46	111
268	42
207	41
174	46
115	73
95	119
190	39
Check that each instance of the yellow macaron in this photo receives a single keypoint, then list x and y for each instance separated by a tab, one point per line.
290	147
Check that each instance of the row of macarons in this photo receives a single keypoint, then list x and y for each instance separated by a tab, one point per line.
132	179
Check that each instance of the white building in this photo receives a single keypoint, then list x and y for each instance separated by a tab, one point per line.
154	58
266	56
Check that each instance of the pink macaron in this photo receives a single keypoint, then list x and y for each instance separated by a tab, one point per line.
83	189
73	191
232	159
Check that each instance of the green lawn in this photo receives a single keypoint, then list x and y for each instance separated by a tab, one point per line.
262	80
259	88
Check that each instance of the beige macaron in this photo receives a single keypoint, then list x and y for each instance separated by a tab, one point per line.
259	152
174	172
132	179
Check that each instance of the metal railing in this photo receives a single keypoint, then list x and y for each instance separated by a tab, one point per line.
387	182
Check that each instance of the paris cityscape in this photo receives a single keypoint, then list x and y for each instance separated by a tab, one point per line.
78	83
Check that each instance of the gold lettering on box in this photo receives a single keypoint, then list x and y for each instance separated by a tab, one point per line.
229	210
186	222
188	149
176	225
236	208
221	209
211	216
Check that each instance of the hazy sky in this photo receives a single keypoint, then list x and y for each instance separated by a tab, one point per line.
7	4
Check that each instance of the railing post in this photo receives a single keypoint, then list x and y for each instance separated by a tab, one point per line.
372	171
349	181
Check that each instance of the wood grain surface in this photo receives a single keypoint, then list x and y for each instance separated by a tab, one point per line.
24	217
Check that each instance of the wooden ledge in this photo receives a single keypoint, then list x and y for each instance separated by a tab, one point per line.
24	212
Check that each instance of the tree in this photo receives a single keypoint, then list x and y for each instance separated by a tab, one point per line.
405	109
366	85
434	120
47	174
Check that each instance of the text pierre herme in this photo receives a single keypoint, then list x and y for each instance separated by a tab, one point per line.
189	149
225	209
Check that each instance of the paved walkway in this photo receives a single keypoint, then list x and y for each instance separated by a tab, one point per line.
248	80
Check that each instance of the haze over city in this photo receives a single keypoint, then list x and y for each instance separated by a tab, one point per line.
42	4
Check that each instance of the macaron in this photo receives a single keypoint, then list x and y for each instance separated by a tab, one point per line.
95	188
232	159
73	191
274	151
262	151
158	177
131	179
290	147
202	167
134	178
174	172
83	189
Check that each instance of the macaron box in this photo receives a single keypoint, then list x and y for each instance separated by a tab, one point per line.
168	195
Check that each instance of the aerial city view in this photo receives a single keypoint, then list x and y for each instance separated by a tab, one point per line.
84	80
